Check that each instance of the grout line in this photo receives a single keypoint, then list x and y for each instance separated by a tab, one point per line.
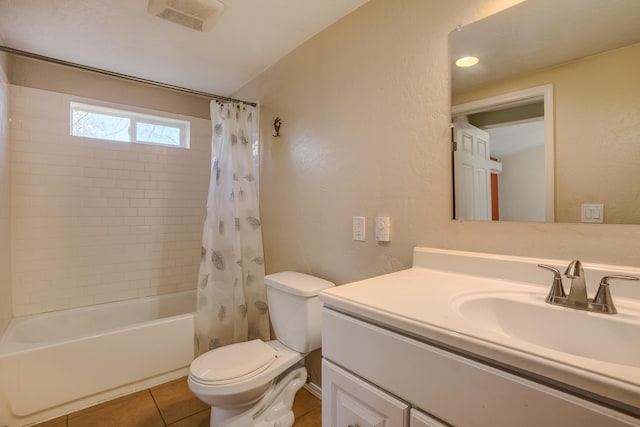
188	416
157	407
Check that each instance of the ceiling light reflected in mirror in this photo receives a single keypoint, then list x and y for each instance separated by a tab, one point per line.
467	61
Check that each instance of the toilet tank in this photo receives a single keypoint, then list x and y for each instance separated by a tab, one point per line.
295	309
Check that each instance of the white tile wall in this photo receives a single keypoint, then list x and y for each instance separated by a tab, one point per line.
95	221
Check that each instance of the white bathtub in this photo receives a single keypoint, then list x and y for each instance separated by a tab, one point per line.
58	362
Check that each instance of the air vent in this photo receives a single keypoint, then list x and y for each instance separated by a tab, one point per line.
198	15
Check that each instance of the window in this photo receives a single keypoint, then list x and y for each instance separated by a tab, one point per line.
92	121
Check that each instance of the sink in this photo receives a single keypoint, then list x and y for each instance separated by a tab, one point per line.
526	317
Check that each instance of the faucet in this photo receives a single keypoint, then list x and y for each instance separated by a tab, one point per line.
578	290
577	298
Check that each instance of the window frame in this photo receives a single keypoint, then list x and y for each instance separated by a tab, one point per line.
135	118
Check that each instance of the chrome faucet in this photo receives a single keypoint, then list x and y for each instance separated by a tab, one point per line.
577	298
578	290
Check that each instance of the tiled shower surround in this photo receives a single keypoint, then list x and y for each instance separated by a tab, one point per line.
95	221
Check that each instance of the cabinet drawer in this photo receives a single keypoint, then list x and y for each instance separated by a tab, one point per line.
457	390
348	401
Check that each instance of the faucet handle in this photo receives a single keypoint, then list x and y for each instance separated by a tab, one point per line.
603	296
557	290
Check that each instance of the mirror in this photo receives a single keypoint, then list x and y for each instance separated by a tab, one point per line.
555	99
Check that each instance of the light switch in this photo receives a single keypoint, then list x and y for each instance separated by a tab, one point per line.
592	213
358	228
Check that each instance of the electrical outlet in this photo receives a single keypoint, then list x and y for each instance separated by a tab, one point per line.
358	228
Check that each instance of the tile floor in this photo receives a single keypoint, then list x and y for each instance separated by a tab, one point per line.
170	404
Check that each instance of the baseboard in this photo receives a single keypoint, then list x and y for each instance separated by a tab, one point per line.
314	389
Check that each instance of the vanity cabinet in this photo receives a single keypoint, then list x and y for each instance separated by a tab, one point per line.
349	401
373	376
420	419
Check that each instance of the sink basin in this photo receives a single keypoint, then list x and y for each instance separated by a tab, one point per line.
526	317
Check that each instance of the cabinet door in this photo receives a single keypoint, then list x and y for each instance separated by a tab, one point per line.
420	419
348	401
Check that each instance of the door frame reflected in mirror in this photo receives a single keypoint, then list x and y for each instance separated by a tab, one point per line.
512	99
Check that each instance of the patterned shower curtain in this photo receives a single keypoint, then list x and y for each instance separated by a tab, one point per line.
232	303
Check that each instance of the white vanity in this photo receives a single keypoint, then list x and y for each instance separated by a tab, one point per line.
467	339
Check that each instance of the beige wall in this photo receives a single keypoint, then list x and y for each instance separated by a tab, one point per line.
5	197
96	221
58	78
365	106
597	129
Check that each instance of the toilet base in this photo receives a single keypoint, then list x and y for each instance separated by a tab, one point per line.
273	409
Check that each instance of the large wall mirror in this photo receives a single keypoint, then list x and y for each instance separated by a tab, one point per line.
547	123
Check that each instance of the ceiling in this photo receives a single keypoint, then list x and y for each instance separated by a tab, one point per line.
120	36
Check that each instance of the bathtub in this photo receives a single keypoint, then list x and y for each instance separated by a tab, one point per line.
58	362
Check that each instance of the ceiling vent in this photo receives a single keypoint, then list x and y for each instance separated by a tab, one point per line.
198	15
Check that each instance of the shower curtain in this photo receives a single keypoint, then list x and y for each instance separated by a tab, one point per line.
232	303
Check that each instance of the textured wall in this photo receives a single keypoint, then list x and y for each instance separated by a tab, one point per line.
365	106
5	198
94	221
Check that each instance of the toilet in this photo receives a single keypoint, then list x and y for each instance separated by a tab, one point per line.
254	383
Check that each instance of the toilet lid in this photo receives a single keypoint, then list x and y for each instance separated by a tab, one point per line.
233	363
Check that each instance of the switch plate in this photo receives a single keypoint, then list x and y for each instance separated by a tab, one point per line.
592	213
383	231
358	228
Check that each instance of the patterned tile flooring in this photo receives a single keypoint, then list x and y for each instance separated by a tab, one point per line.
170	404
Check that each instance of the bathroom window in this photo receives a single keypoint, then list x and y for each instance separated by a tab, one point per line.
110	124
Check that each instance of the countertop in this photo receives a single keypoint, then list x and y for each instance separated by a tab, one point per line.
422	301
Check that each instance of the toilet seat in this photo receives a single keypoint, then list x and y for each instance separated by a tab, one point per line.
283	360
233	363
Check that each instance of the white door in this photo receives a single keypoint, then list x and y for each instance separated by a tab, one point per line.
472	172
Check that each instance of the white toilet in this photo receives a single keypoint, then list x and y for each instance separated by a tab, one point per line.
254	383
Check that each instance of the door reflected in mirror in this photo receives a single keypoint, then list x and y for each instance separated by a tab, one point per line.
547	154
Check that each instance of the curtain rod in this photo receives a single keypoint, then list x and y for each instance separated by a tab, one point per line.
121	76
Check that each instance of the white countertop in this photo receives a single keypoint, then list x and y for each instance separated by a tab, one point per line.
422	302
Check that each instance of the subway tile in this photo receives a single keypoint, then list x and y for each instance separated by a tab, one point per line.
140	203
64	186
147	184
127	211
133	193
159	202
93	172
119	202
147	211
112	193
128	184
104	211
133	220
114	220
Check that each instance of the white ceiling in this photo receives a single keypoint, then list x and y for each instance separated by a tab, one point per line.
120	36
538	34
514	138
